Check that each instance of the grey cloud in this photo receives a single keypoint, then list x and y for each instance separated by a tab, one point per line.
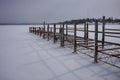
56	10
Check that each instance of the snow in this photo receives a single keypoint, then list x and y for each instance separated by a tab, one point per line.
25	56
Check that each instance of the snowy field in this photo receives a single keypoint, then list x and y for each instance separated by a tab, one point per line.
25	56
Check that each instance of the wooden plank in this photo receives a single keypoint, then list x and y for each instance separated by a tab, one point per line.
113	29
112	36
96	42
109	49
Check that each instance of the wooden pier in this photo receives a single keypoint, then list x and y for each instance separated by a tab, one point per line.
67	37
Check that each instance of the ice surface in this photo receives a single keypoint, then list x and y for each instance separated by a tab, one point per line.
24	56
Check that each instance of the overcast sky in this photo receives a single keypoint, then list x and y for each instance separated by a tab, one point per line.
20	11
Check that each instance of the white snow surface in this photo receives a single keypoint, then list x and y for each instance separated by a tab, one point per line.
25	56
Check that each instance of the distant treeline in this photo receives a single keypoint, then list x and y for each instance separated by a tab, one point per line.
77	21
21	23
92	20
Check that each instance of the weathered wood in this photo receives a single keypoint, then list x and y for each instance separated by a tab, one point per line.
54	34
60	30
103	32
44	30
51	29
109	49
75	45
85	31
48	32
62	35
39	31
112	36
96	42
35	30
66	31
112	29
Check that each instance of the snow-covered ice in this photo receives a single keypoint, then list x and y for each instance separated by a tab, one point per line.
25	56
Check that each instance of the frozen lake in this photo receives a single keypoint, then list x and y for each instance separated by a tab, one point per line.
25	56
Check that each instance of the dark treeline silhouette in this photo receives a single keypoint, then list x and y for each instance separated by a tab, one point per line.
91	20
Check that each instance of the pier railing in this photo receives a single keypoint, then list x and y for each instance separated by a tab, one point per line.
79	39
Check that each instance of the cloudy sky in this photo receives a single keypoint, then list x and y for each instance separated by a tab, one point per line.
30	11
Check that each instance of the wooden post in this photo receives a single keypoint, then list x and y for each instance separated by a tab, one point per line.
103	31
62	36
44	30
35	30
66	31
51	29
29	29
85	31
75	44
60	25
48	32
39	31
32	29
60	30
54	34
96	42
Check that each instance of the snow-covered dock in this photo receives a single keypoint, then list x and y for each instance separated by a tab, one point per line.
25	56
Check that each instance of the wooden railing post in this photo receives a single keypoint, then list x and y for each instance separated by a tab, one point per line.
51	29
66	31
48	32
54	34
103	31
96	42
39	31
44	30
35	31
75	44
32	29
85	31
62	36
